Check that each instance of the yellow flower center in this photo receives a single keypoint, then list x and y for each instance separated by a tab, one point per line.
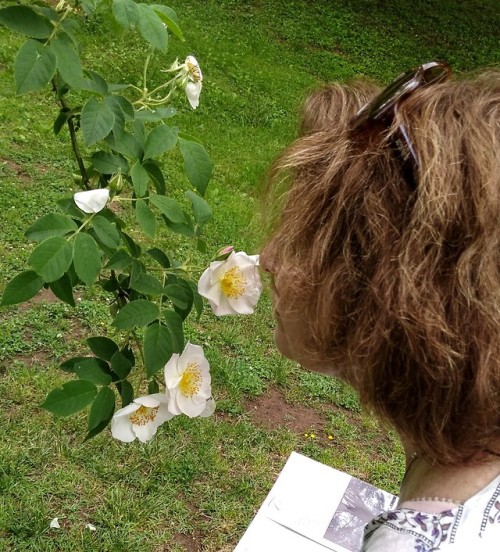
233	283
143	415
191	380
194	71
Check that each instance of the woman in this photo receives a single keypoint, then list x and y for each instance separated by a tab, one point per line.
385	260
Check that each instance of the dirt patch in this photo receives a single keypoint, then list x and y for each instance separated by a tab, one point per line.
190	543
15	168
43	296
271	410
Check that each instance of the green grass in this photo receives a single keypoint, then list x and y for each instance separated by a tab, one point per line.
198	481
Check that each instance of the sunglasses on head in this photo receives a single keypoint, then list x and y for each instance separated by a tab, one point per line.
382	110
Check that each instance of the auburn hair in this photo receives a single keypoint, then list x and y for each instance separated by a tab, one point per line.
399	289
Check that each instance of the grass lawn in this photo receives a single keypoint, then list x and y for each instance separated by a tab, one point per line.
196	486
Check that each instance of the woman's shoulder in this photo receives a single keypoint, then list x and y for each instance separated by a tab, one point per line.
476	524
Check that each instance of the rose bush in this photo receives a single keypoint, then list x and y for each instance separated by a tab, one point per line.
121	142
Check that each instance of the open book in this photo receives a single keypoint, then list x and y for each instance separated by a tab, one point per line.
314	508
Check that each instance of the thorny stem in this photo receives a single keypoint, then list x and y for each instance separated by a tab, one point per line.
72	133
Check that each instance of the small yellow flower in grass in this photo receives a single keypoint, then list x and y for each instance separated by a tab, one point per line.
330	437
141	418
313	436
232	286
187	377
92	201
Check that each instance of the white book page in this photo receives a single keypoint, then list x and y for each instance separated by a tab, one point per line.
314	508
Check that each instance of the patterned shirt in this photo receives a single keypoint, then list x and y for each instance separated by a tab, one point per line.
471	527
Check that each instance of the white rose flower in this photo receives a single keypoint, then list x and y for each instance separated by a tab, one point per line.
141	418
92	201
193	83
187	377
232	286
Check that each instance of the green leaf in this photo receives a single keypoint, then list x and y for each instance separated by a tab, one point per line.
94	83
181	295
52	224
106	232
158	348
152	28
86	258
156	175
52	258
159	256
69	365
94	370
135	314
64	114
169	207
161	139
26	21
169	17
133	247
34	66
97	121
68	61
174	325
63	289
147	285
197	298
102	347
22	287
126	392
120	260
126	12
145	218
201	209
101	412
71	398
155	116
178	295
125	143
153	387
185	229
140	179
197	164
121	365
108	163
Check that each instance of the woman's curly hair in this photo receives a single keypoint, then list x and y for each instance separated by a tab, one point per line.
398	288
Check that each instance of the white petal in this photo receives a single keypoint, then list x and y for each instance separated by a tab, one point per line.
173	408
126	410
121	429
209	408
90	527
223	308
190	407
193	91
54	524
242	305
208	285
145	432
163	414
151	401
191	352
92	201
171	372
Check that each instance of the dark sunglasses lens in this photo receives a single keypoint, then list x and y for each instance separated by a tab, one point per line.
391	94
436	74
